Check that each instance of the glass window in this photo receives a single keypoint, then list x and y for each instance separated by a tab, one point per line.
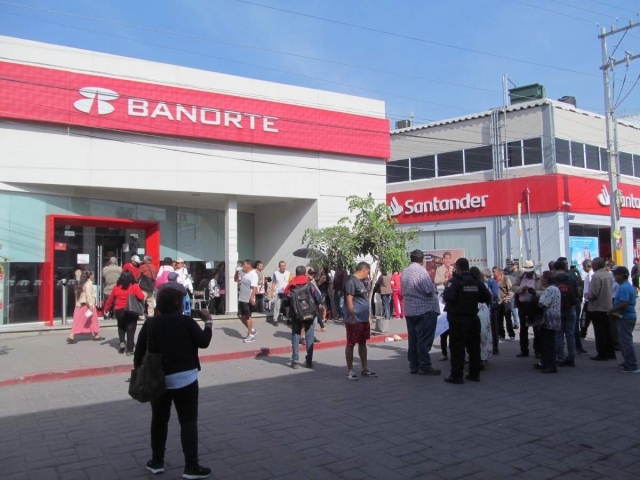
604	160
423	167
626	164
478	159
577	154
472	240
450	163
636	165
532	151
563	152
398	171
514	151
593	157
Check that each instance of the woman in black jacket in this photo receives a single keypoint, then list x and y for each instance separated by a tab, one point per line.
177	337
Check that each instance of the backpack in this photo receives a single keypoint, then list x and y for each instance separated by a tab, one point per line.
303	303
567	294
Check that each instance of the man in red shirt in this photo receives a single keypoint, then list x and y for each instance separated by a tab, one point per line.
134	267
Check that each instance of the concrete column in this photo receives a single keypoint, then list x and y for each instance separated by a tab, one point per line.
231	251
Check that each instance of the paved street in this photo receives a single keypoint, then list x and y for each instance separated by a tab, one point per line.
261	420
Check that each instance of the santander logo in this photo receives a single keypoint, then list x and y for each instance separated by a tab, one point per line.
96	94
629	201
395	207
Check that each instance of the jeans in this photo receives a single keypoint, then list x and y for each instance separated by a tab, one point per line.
602	331
296	330
421	330
525	314
548	348
625	335
186	401
127	324
339	303
464	333
577	328
386	304
567	330
515	313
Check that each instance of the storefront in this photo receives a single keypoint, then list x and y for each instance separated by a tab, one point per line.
500	189
106	156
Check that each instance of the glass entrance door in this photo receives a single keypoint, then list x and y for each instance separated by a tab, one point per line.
78	249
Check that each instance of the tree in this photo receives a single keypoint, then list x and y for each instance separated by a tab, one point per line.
333	247
378	235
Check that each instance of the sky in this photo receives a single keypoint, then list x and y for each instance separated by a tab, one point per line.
436	58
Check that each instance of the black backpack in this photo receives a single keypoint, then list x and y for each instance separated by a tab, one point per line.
303	303
567	294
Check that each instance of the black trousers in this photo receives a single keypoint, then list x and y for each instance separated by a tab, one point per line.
464	334
587	320
602	331
504	313
527	313
444	338
127	324
186	401
548	347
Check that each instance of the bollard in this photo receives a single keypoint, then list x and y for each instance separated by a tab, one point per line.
64	302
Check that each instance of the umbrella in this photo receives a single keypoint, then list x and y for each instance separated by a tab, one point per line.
309	253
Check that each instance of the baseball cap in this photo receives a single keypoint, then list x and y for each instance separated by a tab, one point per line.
136	259
621	270
179	260
172	277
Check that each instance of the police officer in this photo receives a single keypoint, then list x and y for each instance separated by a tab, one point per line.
461	296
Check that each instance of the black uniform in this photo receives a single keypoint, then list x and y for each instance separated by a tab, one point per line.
462	295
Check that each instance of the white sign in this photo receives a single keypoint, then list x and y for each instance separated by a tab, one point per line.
438	205
69	233
83	259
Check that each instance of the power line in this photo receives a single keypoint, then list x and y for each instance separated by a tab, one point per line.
417	39
554	12
225	42
583	9
615	6
628	93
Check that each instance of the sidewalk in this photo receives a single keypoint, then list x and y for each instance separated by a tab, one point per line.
44	356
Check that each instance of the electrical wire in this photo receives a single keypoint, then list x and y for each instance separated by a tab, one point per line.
614	6
225	42
628	93
584	9
537	7
417	39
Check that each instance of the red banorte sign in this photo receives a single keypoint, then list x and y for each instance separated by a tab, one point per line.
547	193
60	96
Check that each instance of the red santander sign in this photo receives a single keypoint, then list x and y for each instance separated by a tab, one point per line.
60	96
541	193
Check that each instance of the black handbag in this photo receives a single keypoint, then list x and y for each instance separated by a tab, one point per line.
134	306
147	283
147	382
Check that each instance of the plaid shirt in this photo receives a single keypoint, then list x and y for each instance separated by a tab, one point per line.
418	291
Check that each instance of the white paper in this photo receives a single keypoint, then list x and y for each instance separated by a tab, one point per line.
83	259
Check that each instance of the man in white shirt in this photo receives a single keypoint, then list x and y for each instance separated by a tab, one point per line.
279	282
247	298
586	278
183	276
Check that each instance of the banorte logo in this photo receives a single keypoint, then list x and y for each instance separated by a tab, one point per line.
396	208
96	94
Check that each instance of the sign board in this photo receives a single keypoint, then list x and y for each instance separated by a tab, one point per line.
440	263
83	259
60	246
583	248
69	233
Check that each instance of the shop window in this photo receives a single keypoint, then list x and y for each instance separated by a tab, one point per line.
626	164
423	167
532	151
563	152
636	165
593	157
577	154
514	151
478	159
604	160
398	171
450	163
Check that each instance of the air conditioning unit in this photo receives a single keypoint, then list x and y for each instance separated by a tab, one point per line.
403	124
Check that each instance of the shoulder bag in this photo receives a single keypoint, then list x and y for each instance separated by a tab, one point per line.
134	306
147	381
147	283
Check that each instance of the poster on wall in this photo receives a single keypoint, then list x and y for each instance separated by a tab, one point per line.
440	263
583	248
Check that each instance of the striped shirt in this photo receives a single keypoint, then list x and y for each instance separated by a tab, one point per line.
418	291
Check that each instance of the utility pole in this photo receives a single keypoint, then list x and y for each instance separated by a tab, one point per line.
608	63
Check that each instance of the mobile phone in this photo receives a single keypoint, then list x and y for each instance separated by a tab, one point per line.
196	314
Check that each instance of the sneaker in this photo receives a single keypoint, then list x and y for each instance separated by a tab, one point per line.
582	351
308	364
513	339
249	339
121	349
275	323
444	358
129	354
368	373
302	341
522	354
254	332
351	376
155	467
430	371
294	365
474	379
628	370
196	472
315	340
454	380
71	341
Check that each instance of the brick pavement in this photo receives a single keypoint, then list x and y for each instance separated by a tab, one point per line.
261	420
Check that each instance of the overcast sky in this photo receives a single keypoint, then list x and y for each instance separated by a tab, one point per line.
436	58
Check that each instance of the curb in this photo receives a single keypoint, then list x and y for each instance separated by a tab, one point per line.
216	357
